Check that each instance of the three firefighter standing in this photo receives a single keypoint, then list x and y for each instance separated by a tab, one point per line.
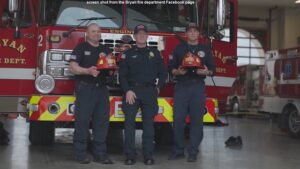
139	70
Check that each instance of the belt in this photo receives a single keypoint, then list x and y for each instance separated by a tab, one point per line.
91	83
190	81
141	84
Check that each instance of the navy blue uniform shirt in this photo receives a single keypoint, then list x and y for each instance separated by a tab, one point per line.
203	51
86	56
141	65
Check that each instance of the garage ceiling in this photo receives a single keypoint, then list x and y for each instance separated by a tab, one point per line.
269	3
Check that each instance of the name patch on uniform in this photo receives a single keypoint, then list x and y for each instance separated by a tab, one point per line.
134	56
87	52
201	53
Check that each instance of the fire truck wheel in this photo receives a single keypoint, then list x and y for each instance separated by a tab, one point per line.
293	122
41	133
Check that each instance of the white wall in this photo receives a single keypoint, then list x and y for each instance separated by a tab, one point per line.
292	27
285	25
253	12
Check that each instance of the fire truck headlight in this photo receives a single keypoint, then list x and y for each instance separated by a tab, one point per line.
67	72
44	84
67	56
55	71
53	108
56	56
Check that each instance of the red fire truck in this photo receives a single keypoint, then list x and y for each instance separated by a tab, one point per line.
281	89
246	90
37	37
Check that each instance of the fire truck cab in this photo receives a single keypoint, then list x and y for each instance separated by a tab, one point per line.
38	36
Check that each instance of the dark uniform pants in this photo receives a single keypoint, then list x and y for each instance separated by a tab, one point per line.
92	105
189	99
147	102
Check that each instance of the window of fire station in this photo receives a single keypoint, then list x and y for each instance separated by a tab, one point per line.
249	48
161	17
69	12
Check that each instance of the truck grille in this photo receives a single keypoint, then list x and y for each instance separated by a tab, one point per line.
112	40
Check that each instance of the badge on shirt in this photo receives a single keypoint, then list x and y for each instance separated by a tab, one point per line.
170	57
201	54
134	56
87	52
151	55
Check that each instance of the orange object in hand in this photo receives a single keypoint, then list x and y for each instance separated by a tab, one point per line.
106	62
191	61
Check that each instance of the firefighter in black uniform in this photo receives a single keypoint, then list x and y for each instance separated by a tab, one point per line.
189	96
139	69
92	98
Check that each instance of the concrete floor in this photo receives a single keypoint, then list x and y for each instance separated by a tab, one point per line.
265	147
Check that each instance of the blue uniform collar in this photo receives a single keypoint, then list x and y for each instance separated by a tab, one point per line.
135	48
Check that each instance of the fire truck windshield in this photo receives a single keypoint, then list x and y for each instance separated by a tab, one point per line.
164	18
68	13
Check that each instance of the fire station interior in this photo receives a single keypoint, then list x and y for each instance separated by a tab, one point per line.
257	123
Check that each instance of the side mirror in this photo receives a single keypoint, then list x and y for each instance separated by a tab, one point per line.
219	34
220	14
5	19
219	20
13	5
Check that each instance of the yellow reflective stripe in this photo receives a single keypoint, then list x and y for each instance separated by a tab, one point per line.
63	103
208	118
120	119
34	100
167	109
215	102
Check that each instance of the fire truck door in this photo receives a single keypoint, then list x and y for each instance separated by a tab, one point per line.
18	54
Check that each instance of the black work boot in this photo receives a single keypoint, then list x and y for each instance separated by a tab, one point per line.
130	161
176	156
83	160
148	161
103	159
192	158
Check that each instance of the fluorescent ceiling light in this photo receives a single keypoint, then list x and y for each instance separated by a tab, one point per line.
297	2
